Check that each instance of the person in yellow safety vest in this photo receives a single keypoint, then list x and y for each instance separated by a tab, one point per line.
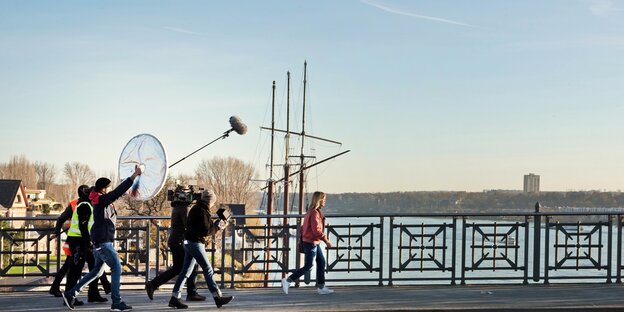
79	242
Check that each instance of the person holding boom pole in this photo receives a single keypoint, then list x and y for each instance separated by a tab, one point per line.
199	228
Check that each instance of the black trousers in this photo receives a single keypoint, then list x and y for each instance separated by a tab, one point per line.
79	257
60	274
178	262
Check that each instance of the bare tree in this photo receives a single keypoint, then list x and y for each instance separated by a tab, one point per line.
110	174
20	168
157	206
230	179
46	175
76	174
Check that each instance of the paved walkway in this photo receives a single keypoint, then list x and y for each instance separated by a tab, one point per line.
585	297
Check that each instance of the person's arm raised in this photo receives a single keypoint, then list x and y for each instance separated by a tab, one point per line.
107	199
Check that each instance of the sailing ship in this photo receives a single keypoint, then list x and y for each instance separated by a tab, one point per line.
283	226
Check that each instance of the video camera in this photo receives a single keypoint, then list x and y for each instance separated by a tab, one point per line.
183	194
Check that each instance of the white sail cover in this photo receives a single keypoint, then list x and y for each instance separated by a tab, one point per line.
146	151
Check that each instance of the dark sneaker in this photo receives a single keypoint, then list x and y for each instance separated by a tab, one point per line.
176	303
54	291
97	299
68	300
76	303
222	300
149	289
107	288
195	297
122	306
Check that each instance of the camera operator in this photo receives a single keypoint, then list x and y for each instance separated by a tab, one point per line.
199	229
179	211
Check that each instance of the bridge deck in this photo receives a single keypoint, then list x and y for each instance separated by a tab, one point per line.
577	297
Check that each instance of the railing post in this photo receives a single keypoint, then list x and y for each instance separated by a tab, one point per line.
157	248
526	250
48	252
59	252
610	249
381	222
454	252
618	273
297	255
147	249
222	257
537	227
463	257
391	251
546	249
233	229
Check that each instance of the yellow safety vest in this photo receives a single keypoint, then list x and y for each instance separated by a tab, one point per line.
74	229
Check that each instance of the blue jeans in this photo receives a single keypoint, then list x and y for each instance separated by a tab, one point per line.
312	251
195	253
104	253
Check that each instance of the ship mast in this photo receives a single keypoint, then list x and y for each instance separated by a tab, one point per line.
271	185
287	139
302	156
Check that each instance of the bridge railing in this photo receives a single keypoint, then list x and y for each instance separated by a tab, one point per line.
374	249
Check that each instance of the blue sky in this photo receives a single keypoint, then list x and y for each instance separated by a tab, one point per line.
427	95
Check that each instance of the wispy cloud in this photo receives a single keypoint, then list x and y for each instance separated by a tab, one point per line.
602	7
410	14
182	30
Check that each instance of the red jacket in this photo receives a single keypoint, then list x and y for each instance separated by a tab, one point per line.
314	227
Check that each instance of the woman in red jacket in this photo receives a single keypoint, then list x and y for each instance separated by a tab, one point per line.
313	232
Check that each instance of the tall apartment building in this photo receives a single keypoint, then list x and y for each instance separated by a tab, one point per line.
531	183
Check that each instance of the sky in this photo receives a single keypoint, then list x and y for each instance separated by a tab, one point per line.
426	95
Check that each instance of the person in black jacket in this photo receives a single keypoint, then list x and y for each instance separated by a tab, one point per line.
103	236
199	228
179	212
80	244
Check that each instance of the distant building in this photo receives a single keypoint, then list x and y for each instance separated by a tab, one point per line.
531	183
14	200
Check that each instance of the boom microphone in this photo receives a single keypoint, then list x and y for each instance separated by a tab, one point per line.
238	125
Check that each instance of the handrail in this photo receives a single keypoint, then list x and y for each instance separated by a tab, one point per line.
380	248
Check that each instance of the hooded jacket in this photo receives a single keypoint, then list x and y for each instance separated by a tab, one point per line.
199	225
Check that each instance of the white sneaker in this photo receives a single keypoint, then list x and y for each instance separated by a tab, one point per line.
285	285
324	291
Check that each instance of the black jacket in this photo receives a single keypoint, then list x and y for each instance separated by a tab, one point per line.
179	213
199	225
104	213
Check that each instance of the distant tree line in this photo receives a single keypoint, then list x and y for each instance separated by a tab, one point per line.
229	178
493	201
